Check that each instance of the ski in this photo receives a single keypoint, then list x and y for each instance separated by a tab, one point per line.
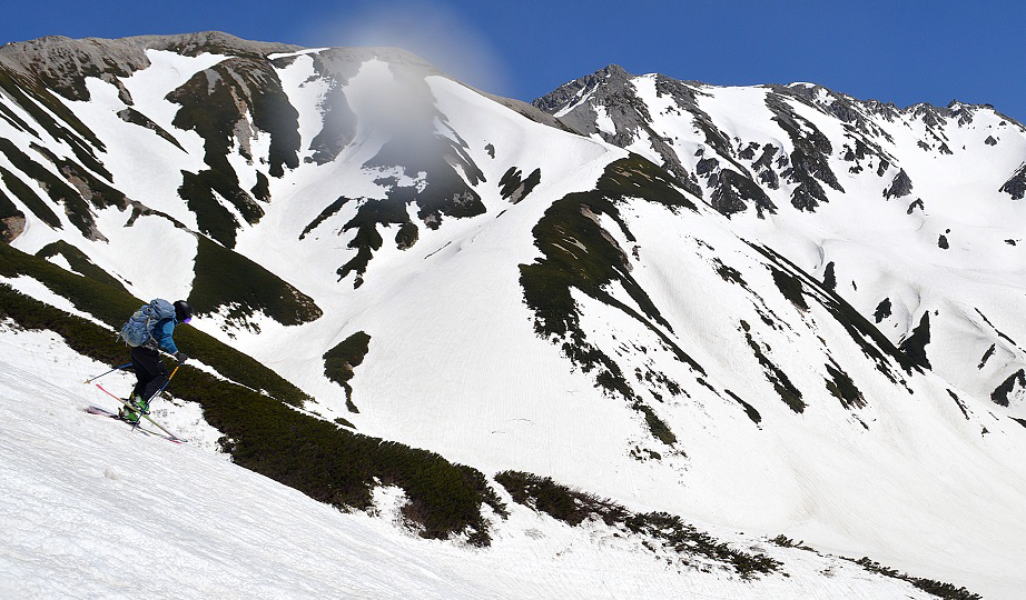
170	436
103	412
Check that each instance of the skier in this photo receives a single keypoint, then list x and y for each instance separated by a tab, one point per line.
150	372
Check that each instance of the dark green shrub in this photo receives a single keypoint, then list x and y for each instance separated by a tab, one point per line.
79	262
579	254
226	278
340	361
113	307
668	531
936	588
30	199
316	457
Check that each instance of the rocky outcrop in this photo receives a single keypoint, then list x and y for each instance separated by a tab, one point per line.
1016	184
12	220
62	64
609	89
900	186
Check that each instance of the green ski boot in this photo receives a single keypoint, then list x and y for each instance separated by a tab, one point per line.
139	404
128	415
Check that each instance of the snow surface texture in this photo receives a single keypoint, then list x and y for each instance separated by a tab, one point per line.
896	470
93	510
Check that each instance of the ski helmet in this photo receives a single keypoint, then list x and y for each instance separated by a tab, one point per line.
183	312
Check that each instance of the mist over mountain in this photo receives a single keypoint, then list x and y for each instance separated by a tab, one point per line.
641	336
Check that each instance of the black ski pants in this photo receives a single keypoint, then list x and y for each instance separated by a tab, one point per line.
150	371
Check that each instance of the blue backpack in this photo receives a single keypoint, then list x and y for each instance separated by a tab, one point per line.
139	329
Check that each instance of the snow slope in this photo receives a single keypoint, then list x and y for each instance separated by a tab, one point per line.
93	510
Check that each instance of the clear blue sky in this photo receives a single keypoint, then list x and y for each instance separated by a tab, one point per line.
899	51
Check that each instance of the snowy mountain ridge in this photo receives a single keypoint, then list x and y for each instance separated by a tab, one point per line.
801	150
720	306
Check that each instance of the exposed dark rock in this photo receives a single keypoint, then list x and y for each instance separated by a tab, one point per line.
749	409
791	395
444	192
490	149
790	287
11	226
990	141
63	64
986	356
829	278
999	333
261	189
917	203
764	167
1000	394
843	388
706	166
12	220
960	404
370	214
213	219
407	236
914	346
942	242
215	103
770	179
330	210
900	186
809	161
883	310
130	115
339	122
734	192
51	114
1016	184
612	89
515	189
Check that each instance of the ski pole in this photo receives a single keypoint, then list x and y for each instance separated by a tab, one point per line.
124	366
166	383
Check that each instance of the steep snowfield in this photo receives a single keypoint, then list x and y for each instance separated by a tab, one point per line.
93	510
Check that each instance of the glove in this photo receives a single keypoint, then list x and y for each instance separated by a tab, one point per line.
181	357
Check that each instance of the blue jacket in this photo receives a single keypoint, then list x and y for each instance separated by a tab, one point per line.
163	333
